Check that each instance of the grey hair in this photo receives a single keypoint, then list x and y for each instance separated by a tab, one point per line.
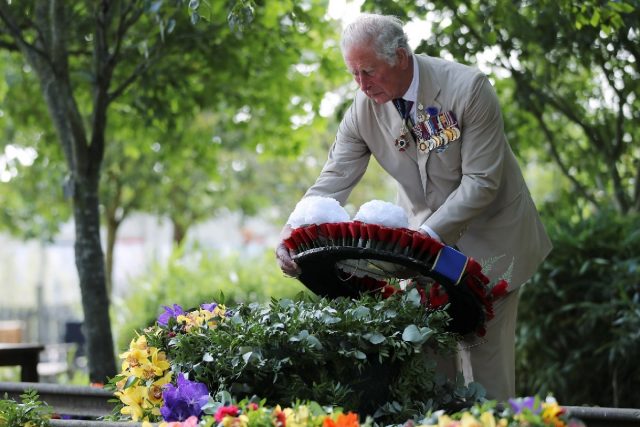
385	33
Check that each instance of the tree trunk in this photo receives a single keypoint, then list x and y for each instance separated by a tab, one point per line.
90	265
83	160
179	232
112	231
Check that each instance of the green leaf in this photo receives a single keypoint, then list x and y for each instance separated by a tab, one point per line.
621	7
315	343
413	297
360	355
130	381
375	338
361	312
415	334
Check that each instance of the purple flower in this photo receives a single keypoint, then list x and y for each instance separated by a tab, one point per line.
168	313
183	401
209	307
520	404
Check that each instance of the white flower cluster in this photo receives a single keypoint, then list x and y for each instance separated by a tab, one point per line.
382	213
318	210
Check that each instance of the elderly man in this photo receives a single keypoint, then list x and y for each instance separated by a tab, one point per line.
436	127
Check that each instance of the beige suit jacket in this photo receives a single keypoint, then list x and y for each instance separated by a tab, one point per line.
472	194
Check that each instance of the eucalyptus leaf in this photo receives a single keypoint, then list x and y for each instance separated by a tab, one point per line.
412	334
375	338
314	342
360	355
361	312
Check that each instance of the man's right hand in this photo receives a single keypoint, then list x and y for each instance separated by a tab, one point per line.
285	262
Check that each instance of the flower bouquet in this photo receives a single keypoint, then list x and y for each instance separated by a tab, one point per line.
371	355
522	412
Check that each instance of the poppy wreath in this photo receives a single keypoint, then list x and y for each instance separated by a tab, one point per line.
455	281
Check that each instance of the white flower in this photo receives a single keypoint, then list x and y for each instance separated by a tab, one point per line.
317	210
382	213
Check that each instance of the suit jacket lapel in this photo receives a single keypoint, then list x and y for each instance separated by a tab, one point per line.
428	91
429	86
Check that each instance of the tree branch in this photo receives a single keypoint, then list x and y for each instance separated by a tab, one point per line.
128	17
140	69
103	70
16	33
12	47
556	156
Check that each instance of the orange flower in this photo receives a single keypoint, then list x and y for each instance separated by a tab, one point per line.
347	420
342	420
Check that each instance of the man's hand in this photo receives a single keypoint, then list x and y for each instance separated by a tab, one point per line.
286	264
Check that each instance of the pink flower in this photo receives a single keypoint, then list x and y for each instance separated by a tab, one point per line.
223	411
192	421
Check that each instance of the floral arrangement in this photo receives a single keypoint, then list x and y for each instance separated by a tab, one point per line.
308	360
371	355
470	295
252	413
376	252
146	370
521	412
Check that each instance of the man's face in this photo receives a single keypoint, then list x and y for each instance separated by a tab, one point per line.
377	79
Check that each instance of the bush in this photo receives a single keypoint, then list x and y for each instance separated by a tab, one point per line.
194	277
579	318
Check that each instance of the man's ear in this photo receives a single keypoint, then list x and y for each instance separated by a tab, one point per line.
403	58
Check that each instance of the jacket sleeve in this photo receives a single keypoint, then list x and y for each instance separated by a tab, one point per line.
482	158
347	161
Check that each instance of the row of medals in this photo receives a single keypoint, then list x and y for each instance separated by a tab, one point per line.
432	131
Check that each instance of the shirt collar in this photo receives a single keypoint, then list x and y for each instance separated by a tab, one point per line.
412	93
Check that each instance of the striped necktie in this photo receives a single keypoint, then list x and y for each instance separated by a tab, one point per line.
404	108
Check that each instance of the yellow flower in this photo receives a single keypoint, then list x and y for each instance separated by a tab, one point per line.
220	310
550	413
159	359
297	418
503	422
133	399
239	421
149	369
487	419
137	354
445	421
155	390
469	420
